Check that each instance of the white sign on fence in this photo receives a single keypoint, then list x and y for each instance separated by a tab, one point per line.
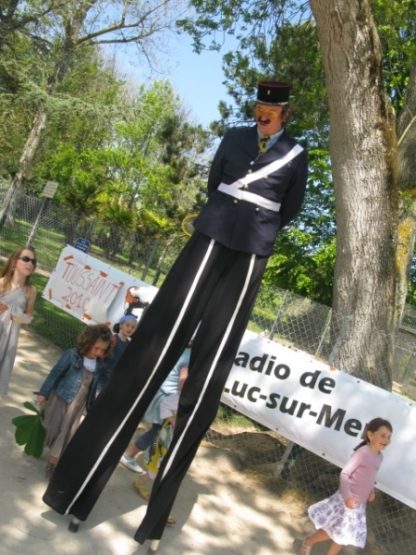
321	409
50	189
91	290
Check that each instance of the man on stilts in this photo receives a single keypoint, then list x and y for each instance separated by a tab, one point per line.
256	186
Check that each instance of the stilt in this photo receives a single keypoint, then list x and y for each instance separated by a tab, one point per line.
154	544
73	525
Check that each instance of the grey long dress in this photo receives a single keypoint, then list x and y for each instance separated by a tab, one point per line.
9	334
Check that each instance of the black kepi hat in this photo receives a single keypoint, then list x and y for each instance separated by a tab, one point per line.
273	92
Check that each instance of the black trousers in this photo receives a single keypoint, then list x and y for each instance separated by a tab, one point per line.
209	288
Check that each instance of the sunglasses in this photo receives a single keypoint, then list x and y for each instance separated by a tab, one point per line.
267	112
28	259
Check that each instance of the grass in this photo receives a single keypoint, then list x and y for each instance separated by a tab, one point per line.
51	322
13	236
226	415
48	244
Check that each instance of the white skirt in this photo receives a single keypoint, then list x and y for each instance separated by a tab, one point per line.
344	526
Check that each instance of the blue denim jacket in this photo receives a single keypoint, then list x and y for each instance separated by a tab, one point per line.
65	377
106	368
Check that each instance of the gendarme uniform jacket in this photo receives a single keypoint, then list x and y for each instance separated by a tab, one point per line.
246	226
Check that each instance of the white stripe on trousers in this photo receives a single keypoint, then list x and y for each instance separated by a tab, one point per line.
213	365
143	391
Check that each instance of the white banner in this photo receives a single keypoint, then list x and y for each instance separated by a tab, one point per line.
321	409
91	290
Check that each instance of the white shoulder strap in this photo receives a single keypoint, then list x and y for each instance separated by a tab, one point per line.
270	168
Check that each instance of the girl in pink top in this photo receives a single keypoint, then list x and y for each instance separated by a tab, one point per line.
341	518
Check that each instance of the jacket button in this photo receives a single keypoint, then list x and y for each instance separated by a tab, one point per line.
235	201
257	209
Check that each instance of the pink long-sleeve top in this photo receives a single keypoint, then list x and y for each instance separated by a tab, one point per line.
358	475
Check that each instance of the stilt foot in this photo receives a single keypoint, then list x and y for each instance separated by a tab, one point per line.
73	525
153	547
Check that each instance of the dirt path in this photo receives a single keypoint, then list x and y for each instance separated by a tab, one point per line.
219	510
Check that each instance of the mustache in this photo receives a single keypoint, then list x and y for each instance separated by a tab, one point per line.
264	120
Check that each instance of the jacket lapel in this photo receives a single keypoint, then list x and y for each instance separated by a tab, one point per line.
250	142
278	150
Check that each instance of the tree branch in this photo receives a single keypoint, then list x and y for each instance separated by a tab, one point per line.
403	135
408	110
122	25
23	20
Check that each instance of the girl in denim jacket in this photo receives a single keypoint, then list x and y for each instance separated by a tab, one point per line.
65	391
123	331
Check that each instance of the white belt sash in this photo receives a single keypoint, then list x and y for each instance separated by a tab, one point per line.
236	189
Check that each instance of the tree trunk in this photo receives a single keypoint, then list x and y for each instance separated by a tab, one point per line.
31	146
406	132
363	154
25	165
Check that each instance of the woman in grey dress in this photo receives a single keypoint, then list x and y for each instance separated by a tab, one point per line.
17	301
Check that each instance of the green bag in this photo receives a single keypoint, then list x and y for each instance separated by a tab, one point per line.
30	431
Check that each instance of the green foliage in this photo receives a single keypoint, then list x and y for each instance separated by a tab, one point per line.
50	320
128	160
278	38
20	74
396	25
151	170
30	431
55	68
81	176
295	266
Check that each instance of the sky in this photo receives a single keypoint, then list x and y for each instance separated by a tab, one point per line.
197	78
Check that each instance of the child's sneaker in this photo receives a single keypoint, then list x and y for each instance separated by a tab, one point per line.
131	464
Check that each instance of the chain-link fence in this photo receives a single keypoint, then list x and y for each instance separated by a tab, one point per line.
278	314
